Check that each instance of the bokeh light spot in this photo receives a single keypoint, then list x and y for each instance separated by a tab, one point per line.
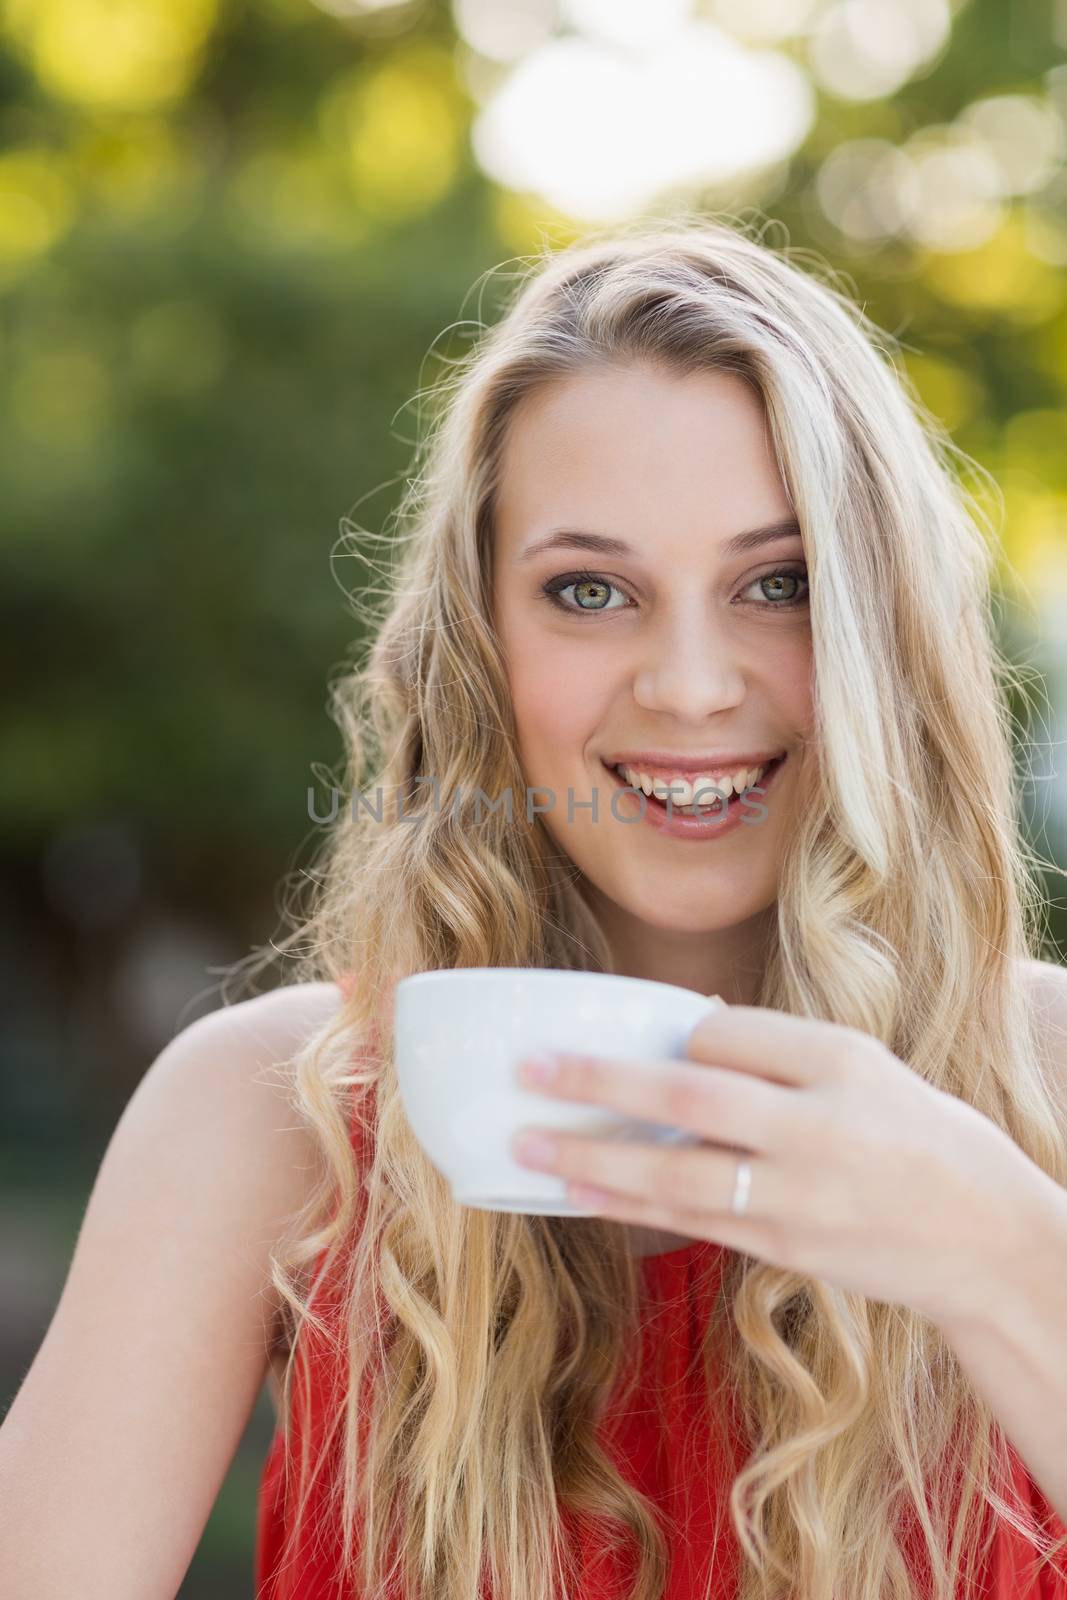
866	49
599	134
1001	276
951	393
504	32
37	204
1024	135
114	53
402	127
131	166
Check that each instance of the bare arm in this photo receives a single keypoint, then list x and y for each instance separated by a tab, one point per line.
1015	1356
115	1446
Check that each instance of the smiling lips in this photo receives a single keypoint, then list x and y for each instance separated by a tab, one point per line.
698	790
663	764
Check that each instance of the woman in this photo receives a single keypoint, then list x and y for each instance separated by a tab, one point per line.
647	400
816	1356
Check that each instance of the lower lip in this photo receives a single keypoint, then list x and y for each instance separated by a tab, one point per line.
715	823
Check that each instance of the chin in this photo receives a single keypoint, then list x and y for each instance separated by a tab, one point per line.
687	913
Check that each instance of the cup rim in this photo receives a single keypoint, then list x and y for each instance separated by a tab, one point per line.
541	973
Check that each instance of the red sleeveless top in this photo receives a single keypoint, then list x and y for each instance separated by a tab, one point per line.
658	1444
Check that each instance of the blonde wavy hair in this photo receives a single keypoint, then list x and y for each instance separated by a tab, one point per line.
490	1342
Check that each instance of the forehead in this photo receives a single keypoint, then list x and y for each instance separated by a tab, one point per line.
639	446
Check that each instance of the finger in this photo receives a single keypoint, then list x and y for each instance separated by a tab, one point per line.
701	1179
781	1048
746	1234
712	1102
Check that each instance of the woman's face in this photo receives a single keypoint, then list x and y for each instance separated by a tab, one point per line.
678	643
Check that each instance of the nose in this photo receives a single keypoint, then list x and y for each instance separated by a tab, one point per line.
686	670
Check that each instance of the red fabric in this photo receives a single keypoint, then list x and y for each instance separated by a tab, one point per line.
658	1444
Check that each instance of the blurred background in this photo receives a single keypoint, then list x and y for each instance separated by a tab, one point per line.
237	239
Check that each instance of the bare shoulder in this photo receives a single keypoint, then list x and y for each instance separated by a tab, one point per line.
233	1056
218	1099
282	1019
1048	987
265	1031
168	1293
1048	982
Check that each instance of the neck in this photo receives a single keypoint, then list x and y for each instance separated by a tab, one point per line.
726	961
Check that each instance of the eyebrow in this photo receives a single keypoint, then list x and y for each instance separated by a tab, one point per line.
600	544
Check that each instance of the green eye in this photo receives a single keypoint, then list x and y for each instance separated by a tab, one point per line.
800	592
582	581
794	594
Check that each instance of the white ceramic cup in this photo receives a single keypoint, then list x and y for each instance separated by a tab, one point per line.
459	1036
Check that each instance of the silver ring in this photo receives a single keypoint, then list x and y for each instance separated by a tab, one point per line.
742	1184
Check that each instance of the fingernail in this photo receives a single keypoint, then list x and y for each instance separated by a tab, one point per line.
538	1069
535	1148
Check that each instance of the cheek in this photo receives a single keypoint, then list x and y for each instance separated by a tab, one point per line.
556	699
546	707
787	676
800	707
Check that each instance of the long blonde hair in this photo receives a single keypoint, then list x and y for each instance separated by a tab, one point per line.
490	1342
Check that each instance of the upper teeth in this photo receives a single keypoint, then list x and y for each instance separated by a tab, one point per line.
683	791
